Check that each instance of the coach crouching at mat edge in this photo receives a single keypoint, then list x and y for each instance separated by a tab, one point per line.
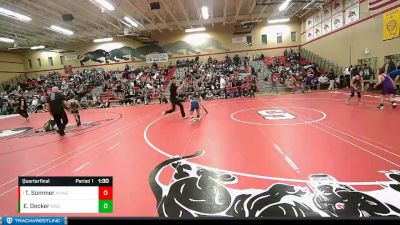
55	105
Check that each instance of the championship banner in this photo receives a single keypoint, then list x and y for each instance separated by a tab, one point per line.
317	17
71	57
236	40
352	14
326	26
152	58
391	24
317	30
327	12
337	21
349	3
337	6
309	22
310	35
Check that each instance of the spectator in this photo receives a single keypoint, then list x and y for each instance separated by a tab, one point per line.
331	77
222	86
3	105
389	65
274	83
367	72
323	81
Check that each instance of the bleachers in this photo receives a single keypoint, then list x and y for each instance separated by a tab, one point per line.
112	98
108	95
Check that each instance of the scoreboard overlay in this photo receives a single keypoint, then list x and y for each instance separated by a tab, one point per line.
65	195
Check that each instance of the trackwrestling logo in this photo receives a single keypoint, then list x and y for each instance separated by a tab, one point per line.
198	192
34	220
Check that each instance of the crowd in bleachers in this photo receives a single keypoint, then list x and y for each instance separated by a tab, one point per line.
231	77
126	87
291	72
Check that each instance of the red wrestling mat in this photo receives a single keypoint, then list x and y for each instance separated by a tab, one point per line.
291	155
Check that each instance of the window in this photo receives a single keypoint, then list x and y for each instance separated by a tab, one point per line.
39	62
249	41
62	60
264	39
30	64
293	36
279	38
51	61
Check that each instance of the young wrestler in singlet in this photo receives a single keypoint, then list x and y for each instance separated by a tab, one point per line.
195	105
356	86
388	87
75	106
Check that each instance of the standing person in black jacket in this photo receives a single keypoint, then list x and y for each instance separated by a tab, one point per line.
331	77
23	107
389	65
174	100
55	105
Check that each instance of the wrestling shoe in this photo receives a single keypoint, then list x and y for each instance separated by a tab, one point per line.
61	132
394	105
379	107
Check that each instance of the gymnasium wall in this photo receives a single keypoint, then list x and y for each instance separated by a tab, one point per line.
366	33
215	42
11	65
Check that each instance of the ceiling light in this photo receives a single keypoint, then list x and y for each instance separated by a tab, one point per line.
131	21
102	40
191	30
14	15
284	5
126	24
250	21
57	50
204	12
38	47
105	4
309	3
61	30
7	40
279	20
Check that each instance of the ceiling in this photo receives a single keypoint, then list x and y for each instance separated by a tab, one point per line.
91	22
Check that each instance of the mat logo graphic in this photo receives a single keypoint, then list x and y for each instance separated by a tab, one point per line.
24	132
13	131
9	220
276	114
198	192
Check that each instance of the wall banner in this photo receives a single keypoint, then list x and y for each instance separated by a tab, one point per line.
337	21
391	24
352	14
152	58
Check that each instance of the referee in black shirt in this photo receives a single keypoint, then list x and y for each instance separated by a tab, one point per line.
174	100
55	105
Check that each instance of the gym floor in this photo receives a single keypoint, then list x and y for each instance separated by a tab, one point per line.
301	155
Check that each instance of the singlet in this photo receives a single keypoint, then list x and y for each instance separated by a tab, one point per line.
74	106
194	98
387	82
357	83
